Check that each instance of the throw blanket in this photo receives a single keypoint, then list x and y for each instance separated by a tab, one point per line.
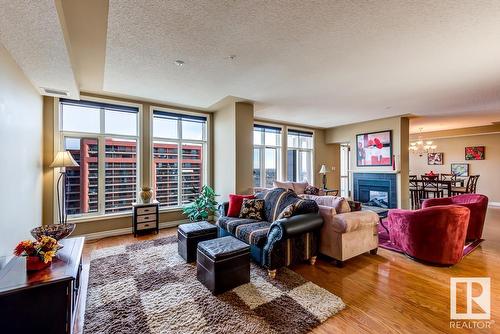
278	199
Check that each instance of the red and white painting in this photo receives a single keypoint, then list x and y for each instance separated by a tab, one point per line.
374	149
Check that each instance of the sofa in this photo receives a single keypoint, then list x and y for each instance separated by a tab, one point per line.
274	242
477	204
347	231
435	235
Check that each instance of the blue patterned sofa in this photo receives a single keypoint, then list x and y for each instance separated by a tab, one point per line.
276	243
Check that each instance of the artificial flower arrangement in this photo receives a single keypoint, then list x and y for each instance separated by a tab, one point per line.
39	253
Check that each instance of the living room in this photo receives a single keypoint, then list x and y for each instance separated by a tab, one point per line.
253	167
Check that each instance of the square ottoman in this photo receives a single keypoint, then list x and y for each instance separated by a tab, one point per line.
223	264
188	236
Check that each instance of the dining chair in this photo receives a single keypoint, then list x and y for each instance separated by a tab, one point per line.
470	187
447	177
430	186
415	192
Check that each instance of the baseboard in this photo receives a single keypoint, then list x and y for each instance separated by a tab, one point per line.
494	204
128	230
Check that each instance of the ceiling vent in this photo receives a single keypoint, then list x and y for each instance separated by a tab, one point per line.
54	92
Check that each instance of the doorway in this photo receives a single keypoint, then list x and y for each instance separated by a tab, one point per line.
345	182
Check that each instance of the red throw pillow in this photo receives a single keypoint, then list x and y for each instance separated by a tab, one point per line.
235	202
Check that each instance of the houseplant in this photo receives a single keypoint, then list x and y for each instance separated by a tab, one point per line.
202	207
39	253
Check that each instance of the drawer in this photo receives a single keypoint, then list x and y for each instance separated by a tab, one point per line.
147	210
145	226
146	218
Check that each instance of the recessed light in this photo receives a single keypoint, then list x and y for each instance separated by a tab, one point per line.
179	62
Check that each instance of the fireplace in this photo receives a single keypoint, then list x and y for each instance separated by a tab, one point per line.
375	189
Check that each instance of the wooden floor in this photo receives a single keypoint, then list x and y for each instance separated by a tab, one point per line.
384	293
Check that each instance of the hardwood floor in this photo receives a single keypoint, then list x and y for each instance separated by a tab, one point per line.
384	293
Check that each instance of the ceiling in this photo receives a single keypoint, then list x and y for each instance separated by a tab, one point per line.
321	64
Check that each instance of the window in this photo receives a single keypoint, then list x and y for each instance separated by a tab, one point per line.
103	140
179	150
266	153
300	156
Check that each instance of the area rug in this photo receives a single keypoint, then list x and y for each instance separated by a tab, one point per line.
385	242
147	287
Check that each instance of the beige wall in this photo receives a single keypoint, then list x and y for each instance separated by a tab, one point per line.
233	142
21	147
454	151
99	225
329	155
400	135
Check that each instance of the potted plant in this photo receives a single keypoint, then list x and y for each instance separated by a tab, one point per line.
39	253
202	207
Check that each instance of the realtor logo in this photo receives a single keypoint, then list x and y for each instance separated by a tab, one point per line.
474	293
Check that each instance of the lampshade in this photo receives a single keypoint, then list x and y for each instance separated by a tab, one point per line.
63	159
323	170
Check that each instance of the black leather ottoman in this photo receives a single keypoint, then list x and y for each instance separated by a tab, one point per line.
188	236
223	264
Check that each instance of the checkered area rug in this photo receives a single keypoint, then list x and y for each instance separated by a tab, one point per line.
147	287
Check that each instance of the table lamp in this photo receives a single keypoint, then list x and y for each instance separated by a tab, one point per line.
62	160
323	171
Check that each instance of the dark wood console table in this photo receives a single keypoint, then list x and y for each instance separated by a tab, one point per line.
42	301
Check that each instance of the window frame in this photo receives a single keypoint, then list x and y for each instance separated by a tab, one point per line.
60	135
262	153
205	142
301	149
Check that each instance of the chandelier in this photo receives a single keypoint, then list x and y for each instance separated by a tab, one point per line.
420	147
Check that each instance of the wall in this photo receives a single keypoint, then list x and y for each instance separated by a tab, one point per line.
106	223
225	148
21	147
328	155
454	151
233	154
400	135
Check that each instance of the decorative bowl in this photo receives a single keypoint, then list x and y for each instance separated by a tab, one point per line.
56	231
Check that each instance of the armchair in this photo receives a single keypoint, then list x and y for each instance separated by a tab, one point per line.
435	234
477	204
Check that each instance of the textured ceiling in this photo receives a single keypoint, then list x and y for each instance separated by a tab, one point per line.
33	35
323	64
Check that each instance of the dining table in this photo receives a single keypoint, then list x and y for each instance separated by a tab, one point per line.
448	183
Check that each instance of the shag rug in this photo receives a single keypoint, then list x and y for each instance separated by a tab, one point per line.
147	287
384	241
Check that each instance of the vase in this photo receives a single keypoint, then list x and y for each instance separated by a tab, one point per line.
146	194
35	263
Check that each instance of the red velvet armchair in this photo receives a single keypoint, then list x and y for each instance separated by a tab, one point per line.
477	204
435	235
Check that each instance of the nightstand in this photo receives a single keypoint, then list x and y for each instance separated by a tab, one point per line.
146	217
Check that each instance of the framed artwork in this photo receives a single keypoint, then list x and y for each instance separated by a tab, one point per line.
435	158
374	149
474	153
460	169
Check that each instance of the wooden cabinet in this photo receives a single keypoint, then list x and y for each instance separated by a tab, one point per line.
42	301
146	217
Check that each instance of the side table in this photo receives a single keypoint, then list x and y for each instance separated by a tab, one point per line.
146	217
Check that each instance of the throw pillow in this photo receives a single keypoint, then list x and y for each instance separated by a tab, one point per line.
235	202
311	190
300	187
284	185
252	209
287	212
